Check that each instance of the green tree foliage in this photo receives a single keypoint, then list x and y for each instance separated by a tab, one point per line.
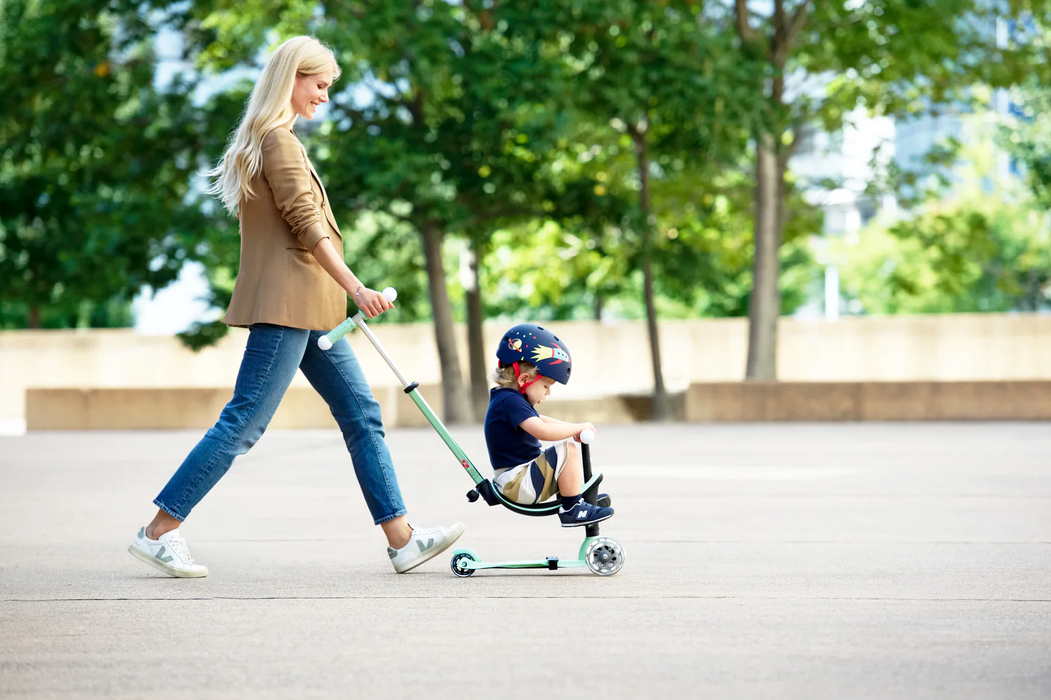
1028	140
703	246
95	162
894	57
963	258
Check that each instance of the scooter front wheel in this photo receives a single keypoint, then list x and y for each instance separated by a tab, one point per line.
604	556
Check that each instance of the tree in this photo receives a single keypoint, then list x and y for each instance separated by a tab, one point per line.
871	56
671	87
95	163
456	137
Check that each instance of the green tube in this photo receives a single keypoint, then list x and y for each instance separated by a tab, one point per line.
446	437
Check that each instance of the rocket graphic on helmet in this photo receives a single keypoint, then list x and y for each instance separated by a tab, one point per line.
528	342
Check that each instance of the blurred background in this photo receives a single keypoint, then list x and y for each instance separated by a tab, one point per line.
735	210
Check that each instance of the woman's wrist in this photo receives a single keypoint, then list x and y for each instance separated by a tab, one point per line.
354	287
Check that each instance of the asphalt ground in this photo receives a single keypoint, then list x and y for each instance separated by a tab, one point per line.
762	561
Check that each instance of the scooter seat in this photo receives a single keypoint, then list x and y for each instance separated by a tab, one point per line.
493	497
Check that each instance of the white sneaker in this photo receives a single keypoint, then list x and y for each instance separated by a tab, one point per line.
423	545
168	553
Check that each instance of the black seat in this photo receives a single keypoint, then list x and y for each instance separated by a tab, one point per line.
493	497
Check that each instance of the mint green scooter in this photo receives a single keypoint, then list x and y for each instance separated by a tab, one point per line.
601	555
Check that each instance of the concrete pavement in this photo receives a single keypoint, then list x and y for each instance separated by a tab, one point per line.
764	561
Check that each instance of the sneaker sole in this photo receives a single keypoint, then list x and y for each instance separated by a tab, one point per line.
152	561
431	553
590	522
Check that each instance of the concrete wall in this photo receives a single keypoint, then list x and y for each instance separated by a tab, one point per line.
198	408
185	408
609	358
868	401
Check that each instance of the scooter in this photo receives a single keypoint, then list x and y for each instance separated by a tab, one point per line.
601	555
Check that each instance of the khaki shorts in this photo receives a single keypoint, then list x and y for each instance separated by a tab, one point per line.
536	481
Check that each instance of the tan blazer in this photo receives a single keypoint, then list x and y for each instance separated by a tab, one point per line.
280	281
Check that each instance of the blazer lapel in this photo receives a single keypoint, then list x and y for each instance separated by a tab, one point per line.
324	194
326	206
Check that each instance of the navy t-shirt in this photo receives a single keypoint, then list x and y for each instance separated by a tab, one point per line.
508	444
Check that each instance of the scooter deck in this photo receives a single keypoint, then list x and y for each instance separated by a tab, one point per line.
552	563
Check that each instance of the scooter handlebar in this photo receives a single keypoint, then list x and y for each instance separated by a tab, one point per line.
587	436
326	341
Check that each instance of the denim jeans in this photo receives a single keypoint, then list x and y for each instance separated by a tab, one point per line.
271	358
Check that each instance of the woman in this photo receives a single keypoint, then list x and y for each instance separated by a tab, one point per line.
291	288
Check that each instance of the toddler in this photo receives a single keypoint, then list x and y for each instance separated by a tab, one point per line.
531	360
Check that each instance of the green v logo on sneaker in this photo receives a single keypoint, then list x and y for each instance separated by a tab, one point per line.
430	543
160	555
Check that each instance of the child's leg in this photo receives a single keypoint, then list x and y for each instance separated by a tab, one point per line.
574	511
571	480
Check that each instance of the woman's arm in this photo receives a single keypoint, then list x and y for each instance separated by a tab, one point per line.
371	302
286	171
553	432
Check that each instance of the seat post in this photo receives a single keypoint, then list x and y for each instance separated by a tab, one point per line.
591	495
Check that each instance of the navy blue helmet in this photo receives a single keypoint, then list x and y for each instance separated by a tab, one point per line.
528	342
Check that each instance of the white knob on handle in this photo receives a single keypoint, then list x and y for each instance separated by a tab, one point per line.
324	343
390	294
587	436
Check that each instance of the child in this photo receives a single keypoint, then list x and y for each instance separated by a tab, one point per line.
531	360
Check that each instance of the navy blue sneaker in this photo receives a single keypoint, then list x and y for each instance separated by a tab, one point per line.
583	513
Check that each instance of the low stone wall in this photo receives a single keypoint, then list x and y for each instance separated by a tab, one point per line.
868	401
198	408
927	348
193	408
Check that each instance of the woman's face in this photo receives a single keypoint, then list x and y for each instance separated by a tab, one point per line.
309	92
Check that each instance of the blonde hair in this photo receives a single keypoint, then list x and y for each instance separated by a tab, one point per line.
269	107
504	377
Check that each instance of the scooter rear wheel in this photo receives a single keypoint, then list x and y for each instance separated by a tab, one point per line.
457	561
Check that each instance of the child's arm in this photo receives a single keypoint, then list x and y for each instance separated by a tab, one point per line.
551	430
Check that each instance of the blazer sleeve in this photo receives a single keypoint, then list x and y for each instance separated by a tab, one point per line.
285	168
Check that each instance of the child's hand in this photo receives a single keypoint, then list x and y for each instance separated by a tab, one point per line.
581	427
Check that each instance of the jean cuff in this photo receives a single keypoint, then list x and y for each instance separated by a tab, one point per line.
168	510
380	521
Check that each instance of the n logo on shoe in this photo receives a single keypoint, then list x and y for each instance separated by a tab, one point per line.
423	547
160	555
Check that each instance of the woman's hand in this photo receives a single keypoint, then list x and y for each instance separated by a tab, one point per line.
371	302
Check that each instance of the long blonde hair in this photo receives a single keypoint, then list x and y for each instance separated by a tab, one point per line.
269	107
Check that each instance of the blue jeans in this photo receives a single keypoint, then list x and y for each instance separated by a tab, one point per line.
271	358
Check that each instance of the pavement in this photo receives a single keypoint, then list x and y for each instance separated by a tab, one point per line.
763	561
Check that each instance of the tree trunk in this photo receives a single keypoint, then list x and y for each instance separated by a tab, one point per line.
34	316
764	303
660	408
598	307
476	356
453	396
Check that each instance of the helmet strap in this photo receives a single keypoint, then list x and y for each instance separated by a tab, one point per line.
522	387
